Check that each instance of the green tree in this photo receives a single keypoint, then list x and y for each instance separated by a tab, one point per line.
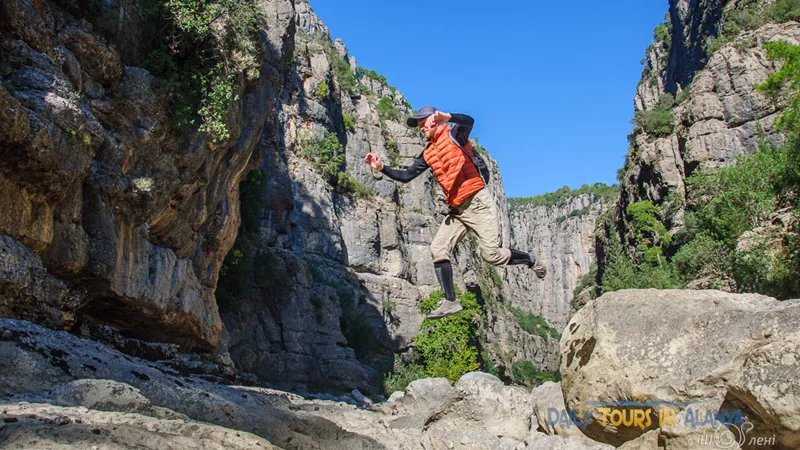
786	81
349	122
650	234
199	64
448	348
322	90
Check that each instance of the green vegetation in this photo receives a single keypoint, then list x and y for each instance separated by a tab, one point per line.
650	234
561	196
394	154
344	74
587	282
732	201
349	122
446	348
523	372
327	156
364	90
574	213
742	226
662	32
387	110
662	42
786	83
479	149
322	90
489	364
533	324
623	273
201	51
369	73
402	376
682	96
752	15
347	184
658	121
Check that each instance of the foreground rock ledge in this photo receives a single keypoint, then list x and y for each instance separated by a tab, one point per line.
60	389
700	350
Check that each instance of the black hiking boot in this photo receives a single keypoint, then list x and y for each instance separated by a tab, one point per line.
518	257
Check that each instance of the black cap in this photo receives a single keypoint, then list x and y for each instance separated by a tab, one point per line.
423	112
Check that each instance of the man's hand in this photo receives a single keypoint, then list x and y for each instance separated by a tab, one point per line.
439	118
374	161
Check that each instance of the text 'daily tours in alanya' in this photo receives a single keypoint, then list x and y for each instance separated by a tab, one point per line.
721	428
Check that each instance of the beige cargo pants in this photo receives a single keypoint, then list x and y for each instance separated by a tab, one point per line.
479	214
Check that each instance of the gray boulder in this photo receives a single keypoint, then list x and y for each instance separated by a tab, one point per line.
687	353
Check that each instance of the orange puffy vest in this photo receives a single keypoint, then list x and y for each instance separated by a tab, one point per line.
458	177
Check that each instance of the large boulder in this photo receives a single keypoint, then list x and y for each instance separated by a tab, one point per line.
695	356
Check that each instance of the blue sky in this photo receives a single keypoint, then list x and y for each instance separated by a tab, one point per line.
550	84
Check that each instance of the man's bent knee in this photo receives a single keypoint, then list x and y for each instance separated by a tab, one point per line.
439	254
496	257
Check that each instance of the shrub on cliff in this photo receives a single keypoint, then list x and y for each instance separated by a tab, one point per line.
785	82
533	324
369	73
387	110
349	122
326	154
322	91
204	49
726	203
658	121
751	15
344	74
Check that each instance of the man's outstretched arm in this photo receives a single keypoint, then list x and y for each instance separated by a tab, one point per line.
402	175
409	173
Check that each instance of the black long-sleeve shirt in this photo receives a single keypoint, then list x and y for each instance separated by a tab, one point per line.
461	129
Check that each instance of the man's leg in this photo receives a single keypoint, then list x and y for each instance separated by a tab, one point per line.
481	217
450	232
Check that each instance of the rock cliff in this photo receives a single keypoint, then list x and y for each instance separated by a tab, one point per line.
705	87
275	249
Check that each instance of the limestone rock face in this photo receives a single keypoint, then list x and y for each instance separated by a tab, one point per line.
714	351
563	238
719	120
98	183
718	112
115	224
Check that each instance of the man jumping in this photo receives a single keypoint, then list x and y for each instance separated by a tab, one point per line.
471	206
